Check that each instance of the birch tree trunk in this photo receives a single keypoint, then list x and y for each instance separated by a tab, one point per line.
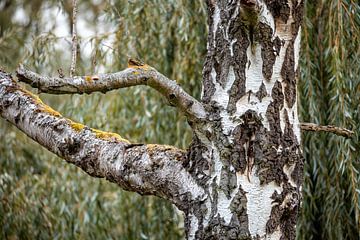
241	176
247	154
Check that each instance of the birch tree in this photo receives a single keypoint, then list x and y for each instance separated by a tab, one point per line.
241	176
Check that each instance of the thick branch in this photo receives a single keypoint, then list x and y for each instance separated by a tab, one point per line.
74	40
336	130
132	76
145	169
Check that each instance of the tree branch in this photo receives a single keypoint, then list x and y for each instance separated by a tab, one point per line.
145	169
74	40
132	76
336	130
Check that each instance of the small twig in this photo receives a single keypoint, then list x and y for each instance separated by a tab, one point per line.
317	128
74	40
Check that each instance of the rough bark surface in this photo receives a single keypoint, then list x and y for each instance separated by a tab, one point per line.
241	176
247	155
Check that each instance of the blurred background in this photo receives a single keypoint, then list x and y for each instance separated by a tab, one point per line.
42	197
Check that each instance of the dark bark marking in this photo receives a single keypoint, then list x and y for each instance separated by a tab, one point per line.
242	135
288	75
284	212
208	85
261	93
279	9
240	220
268	56
222	59
273	113
195	163
227	181
238	89
89	162
297	14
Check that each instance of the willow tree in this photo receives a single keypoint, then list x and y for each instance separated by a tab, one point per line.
241	176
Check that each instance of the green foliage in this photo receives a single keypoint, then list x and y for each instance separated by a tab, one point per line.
329	94
42	197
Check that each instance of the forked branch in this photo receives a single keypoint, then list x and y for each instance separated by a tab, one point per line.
132	76
145	169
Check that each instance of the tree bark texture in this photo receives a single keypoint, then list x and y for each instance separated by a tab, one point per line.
247	154
241	176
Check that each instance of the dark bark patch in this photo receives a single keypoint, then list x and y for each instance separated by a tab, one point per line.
273	113
288	75
297	13
196	164
284	212
277	45
238	89
90	163
208	85
227	181
243	148
240	220
261	93
71	146
264	35
279	9
222	59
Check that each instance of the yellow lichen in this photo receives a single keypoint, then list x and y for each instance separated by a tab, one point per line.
76	126
42	106
108	135
88	78
136	73
49	110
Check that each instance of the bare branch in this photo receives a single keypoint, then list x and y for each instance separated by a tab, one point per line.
74	40
336	130
132	76
145	169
